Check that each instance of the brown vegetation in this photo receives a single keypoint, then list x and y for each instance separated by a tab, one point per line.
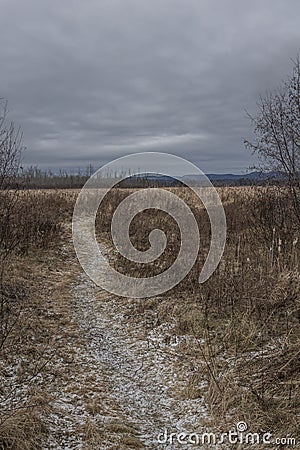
245	319
243	323
31	225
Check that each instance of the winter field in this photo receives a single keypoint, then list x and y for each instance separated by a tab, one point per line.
81	368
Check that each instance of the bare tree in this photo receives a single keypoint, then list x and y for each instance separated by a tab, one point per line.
10	158
277	132
10	149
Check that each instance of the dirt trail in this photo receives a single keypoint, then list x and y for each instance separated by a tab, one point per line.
124	389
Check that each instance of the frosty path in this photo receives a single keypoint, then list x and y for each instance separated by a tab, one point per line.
124	392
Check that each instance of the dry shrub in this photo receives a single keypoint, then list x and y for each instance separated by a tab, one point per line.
23	431
31	219
31	222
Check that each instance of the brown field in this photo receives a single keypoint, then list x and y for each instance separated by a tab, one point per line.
239	333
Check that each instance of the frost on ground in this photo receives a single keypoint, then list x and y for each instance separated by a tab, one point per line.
124	392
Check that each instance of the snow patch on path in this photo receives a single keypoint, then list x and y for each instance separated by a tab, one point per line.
143	376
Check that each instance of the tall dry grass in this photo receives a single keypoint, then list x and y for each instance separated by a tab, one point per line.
244	322
31	227
245	319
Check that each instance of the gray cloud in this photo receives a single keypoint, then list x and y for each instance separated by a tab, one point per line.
93	80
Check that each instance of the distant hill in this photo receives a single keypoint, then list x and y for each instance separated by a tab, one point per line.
229	178
152	180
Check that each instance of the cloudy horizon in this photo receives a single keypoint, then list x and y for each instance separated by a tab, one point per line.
92	81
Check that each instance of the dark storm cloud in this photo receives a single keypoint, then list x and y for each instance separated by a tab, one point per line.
93	80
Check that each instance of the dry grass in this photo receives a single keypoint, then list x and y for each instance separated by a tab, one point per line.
245	319
38	366
242	326
31	232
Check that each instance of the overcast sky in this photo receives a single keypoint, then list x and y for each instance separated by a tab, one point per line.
92	80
